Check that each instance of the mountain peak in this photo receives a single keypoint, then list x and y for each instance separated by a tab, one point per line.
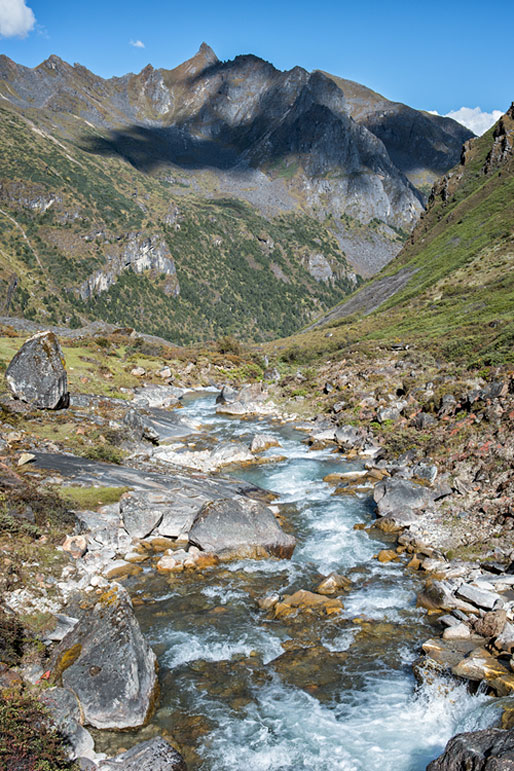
207	53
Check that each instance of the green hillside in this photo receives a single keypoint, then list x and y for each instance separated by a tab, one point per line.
65	211
451	288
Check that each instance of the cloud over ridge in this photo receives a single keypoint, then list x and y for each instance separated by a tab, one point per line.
16	18
473	118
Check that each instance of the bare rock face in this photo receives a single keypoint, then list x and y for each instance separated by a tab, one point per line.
37	373
240	528
154	755
488	750
109	666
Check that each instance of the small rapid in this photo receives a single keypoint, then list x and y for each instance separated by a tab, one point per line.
244	692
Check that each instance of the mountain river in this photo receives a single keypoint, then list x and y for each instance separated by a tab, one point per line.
241	691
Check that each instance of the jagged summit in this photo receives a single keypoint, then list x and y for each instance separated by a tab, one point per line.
206	51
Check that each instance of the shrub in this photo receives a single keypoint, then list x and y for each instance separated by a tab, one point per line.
28	741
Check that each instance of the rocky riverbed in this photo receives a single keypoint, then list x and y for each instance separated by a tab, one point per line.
294	579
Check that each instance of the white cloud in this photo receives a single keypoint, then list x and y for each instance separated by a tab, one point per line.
473	118
135	43
16	19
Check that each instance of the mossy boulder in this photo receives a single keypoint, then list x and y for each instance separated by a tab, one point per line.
37	373
107	663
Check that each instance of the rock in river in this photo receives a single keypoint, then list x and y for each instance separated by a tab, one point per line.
154	755
37	373
391	495
109	666
234	527
488	750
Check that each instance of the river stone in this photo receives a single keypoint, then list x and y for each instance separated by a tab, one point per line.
240	528
139	514
489	750
262	442
491	624
400	494
479	597
108	664
65	713
348	437
37	373
479	665
153	755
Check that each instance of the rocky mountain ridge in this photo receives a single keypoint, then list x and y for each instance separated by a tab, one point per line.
223	164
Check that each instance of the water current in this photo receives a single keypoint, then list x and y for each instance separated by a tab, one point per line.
242	691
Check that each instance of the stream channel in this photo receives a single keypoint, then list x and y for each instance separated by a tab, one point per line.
241	691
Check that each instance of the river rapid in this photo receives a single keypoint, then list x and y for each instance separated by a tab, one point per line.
241	691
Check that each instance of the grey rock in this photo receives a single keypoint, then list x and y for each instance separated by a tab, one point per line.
227	395
505	640
349	437
424	420
240	528
230	452
427	471
491	749
153	755
37	373
388	413
114	675
479	597
63	625
64	709
139	517
161	396
140	426
400	494
261	442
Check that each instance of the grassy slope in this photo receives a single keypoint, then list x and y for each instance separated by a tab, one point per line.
230	286
460	302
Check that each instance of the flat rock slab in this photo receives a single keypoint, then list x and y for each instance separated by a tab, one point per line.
240	528
154	755
108	664
479	597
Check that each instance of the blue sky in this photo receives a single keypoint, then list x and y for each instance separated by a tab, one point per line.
436	55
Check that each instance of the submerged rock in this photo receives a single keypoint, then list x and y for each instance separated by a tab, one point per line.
240	528
109	666
37	373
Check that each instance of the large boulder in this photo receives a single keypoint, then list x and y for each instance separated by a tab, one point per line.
395	494
37	373
489	750
153	755
240	527
108	664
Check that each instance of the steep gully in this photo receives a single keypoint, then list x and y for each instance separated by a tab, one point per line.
242	689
